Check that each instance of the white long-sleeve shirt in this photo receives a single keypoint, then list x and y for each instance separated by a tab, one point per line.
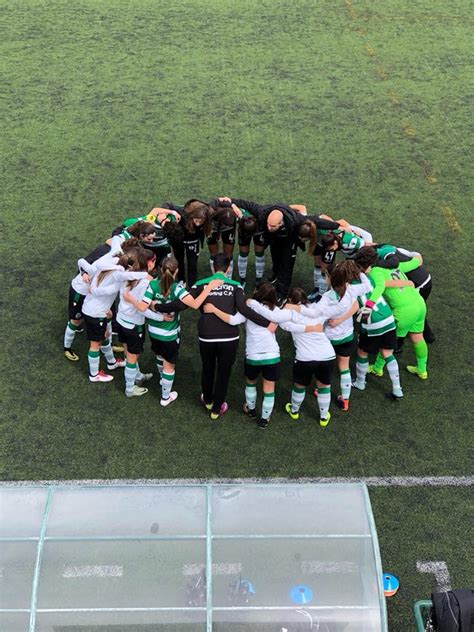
261	346
332	306
309	346
127	315
78	284
100	298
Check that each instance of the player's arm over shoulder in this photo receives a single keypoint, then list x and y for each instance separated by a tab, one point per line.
408	266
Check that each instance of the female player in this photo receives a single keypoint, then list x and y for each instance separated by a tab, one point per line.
408	306
130	326
196	224
346	242
338	306
223	224
96	309
79	289
312	231
167	228
143	231
250	230
315	358
262	353
165	333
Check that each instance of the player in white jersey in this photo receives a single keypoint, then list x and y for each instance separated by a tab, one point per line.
315	357
339	305
79	288
130	324
262	353
104	287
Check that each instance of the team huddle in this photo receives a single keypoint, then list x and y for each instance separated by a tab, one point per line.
146	274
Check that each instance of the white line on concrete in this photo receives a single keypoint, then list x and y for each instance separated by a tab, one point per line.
92	571
315	566
217	569
439	570
371	481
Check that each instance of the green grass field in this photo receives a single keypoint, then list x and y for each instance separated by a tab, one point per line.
355	108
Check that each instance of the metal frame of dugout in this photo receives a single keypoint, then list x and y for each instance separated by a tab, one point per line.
132	558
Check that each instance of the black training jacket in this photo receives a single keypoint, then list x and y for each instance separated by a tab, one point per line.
291	218
230	298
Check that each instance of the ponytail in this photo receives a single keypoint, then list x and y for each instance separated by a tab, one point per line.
343	274
297	296
167	275
102	275
134	261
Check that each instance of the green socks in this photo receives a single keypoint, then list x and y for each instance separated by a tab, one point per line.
379	363
421	353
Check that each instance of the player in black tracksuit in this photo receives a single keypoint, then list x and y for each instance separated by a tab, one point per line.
196	225
420	277
308	232
218	341
280	231
223	225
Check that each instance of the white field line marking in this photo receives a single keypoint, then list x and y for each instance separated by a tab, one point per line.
92	571
439	570
217	569
371	481
315	566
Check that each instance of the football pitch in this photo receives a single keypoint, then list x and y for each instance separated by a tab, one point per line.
358	109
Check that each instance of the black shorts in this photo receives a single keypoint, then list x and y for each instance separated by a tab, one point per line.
166	349
269	372
344	349
321	370
75	304
371	344
227	236
133	337
95	328
258	240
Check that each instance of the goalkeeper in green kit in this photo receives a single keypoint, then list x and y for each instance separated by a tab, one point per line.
408	306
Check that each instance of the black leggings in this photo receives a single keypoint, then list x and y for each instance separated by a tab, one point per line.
190	251
220	356
283	252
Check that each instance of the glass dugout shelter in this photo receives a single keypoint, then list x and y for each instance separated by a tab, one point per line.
189	558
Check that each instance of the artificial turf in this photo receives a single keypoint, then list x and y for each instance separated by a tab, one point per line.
357	109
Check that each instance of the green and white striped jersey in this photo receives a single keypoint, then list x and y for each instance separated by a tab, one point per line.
160	241
351	243
381	317
160	329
